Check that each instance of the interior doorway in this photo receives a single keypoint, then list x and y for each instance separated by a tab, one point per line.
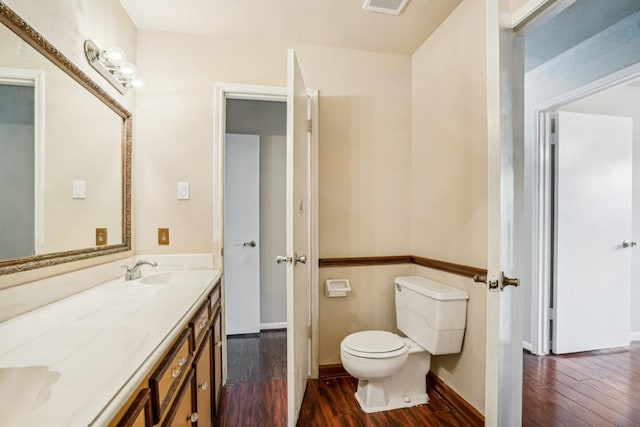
255	215
571	52
255	231
556	80
300	260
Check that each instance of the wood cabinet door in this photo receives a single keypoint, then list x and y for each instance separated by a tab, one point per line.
180	414
204	383
217	359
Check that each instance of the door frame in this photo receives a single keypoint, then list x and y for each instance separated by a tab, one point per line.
542	217
222	92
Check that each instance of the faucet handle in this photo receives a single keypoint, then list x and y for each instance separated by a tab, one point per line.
126	266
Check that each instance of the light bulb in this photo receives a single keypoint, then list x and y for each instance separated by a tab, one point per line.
127	70
115	56
137	83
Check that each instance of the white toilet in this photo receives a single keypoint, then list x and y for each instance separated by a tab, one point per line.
391	370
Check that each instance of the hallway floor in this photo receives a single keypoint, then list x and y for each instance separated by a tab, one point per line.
260	357
595	388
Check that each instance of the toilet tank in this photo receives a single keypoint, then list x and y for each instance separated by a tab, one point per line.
431	314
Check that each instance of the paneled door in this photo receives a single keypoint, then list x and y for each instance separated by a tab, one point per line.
593	220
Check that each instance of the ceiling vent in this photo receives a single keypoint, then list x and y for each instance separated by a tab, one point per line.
392	7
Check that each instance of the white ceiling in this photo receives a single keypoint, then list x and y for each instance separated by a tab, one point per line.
336	23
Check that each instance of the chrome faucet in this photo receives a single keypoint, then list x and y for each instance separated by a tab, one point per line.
134	272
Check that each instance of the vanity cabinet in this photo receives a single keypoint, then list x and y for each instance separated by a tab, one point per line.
184	387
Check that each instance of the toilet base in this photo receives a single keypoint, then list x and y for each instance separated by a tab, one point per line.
393	403
406	388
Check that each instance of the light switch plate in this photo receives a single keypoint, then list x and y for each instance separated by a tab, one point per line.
79	189
183	191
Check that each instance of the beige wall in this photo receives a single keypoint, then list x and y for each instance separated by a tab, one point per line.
66	25
364	158
370	305
364	130
449	152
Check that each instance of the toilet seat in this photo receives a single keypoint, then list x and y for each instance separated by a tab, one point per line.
374	344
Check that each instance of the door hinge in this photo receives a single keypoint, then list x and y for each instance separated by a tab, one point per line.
309	332
551	314
222	252
309	125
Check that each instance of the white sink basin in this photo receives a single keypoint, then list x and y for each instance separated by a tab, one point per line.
159	278
21	390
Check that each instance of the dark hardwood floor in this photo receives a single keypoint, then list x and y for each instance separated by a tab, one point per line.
253	404
256	394
256	389
257	358
331	403
596	388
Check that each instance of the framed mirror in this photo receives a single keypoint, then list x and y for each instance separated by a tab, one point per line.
65	157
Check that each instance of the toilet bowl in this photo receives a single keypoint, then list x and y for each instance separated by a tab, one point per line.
391	370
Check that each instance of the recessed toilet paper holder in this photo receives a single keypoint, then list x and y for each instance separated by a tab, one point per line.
336	288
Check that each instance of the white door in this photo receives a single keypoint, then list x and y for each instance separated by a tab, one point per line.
241	232
298	240
593	218
503	370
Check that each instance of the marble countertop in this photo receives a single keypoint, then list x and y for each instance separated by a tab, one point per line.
75	362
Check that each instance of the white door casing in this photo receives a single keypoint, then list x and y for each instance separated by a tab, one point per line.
593	218
242	231
298	238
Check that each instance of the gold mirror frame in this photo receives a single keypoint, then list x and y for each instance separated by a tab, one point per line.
14	265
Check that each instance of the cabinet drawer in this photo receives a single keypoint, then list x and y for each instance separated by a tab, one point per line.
214	298
165	380
200	325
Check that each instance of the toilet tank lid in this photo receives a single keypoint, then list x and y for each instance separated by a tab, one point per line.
435	290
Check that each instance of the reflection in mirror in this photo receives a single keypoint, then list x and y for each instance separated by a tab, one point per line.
65	162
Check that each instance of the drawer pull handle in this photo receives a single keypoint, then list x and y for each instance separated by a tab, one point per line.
193	417
175	373
181	361
203	386
219	344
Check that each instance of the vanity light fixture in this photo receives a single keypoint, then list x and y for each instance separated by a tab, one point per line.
112	65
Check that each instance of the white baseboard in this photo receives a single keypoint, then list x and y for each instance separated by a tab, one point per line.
273	325
527	345
634	336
